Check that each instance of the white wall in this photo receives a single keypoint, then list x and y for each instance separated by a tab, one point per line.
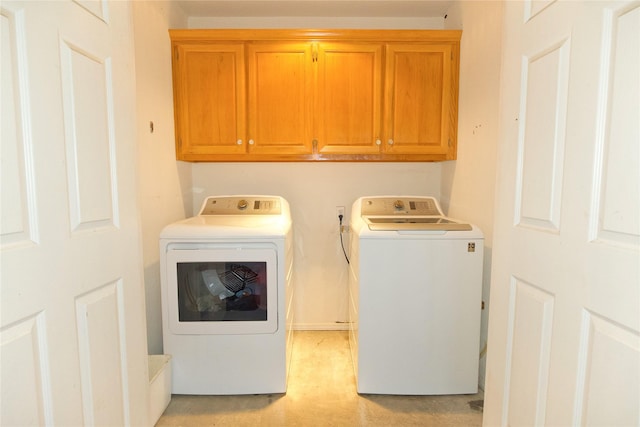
165	185
468	184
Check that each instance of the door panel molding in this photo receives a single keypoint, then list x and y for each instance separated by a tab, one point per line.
25	372
89	137
102	348
608	357
530	325
544	91
615	218
98	8
19	224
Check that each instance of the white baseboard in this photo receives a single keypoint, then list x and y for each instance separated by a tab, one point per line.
330	326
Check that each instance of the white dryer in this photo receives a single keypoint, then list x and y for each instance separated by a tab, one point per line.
226	296
415	287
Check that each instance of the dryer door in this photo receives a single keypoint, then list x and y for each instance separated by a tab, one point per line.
222	291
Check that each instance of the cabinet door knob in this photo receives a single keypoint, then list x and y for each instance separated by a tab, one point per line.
378	142
239	142
251	142
390	142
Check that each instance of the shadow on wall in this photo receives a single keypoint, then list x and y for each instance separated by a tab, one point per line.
484	319
153	305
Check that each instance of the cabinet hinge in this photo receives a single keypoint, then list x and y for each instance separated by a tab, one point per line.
314	52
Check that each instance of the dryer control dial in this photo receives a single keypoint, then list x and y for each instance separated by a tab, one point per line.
398	205
243	204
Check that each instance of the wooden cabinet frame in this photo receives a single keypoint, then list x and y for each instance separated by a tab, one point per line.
315	95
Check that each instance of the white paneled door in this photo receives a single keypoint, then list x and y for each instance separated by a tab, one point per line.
72	333
564	340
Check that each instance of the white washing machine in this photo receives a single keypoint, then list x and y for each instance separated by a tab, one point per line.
226	296
415	287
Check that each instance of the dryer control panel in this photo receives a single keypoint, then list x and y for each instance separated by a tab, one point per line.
241	205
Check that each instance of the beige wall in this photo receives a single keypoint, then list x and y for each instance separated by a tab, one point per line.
164	184
468	184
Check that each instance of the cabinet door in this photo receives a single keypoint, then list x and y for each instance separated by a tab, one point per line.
209	97
421	95
349	98
280	82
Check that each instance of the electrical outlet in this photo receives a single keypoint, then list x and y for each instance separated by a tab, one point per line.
340	211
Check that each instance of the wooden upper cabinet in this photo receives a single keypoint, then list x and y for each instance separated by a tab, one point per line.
280	98
209	99
315	95
421	95
349	98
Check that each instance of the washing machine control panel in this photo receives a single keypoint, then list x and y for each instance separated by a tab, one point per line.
241	205
424	206
407	214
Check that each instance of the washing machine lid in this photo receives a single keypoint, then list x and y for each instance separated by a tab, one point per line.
407	213
416	224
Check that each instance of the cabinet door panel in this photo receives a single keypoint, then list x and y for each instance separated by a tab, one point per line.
309	95
419	99
349	98
210	99
280	98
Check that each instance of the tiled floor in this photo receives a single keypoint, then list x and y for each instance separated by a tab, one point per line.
322	392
